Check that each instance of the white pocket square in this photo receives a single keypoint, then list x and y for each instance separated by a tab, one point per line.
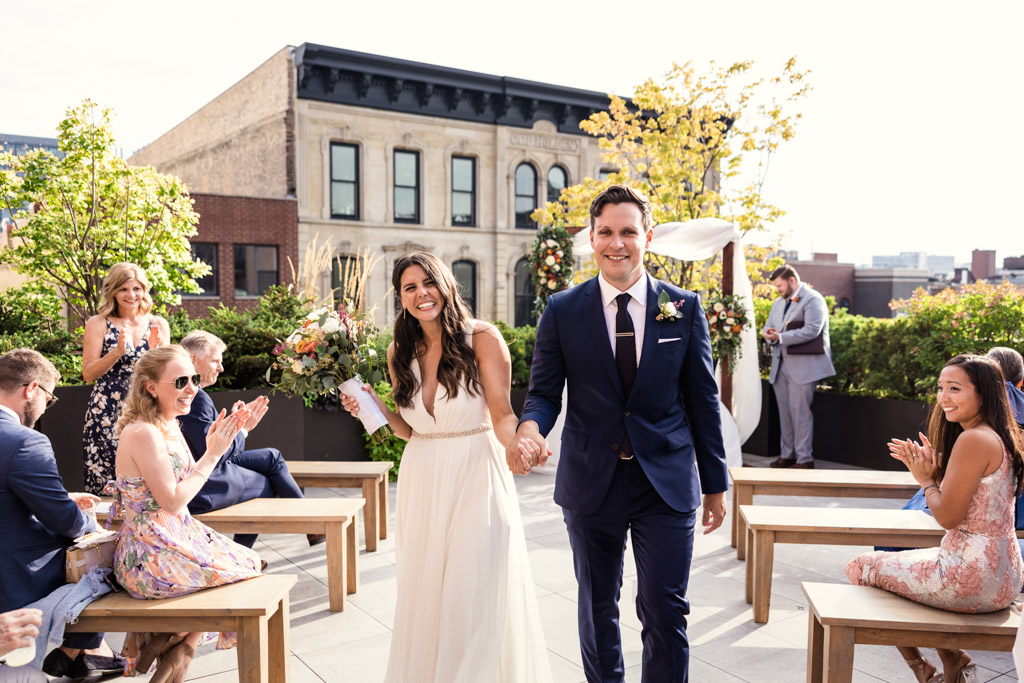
671	339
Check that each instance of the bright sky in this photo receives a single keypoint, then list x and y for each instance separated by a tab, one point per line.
911	140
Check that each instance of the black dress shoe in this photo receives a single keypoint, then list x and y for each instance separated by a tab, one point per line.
809	465
782	462
94	666
263	565
316	539
58	664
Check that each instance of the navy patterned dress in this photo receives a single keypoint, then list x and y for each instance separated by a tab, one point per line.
110	390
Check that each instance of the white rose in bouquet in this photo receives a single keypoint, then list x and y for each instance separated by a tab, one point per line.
331	325
719	307
550	260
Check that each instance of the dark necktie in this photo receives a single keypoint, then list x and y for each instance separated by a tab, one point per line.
785	308
625	355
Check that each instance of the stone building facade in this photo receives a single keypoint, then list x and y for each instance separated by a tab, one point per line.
394	156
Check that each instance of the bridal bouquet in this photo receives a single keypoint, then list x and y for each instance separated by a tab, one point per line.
331	352
727	317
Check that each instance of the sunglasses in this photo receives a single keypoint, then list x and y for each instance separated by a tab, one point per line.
181	382
50	398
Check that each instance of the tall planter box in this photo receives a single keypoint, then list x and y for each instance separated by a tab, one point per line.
848	429
300	433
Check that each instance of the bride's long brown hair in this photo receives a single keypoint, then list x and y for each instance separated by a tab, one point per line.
458	362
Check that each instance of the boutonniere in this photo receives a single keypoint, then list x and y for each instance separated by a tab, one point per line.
668	309
795	299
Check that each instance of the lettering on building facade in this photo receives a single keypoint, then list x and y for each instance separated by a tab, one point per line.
544	142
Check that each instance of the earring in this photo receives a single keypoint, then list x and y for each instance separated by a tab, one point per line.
405	313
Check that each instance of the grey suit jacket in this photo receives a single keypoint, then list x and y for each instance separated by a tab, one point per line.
802	369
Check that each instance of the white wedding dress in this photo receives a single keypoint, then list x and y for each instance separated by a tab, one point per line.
466	609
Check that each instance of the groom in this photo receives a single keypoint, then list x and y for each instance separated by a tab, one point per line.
642	427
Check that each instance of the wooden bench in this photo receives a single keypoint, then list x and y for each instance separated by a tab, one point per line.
335	517
771	524
765	481
257	610
842	616
371	477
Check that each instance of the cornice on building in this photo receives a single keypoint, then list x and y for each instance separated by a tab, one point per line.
330	74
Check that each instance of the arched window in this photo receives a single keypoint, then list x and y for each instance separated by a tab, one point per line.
524	295
557	180
526	195
465	277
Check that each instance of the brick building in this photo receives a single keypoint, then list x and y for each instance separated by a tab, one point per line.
249	242
396	156
828	276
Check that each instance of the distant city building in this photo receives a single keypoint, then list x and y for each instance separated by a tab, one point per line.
983	264
906	259
1013	263
18	145
874	288
941	266
828	277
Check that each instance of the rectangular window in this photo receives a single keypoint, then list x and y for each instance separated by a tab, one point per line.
407	186
344	181
463	191
255	269
207	253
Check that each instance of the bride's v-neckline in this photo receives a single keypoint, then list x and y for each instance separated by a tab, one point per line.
423	394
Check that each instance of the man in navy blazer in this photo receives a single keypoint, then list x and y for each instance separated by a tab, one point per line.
642	438
240	475
38	518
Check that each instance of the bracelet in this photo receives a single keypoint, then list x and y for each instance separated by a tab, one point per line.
200	473
931	486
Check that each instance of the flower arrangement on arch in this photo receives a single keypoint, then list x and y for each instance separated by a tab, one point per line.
329	348
550	263
727	318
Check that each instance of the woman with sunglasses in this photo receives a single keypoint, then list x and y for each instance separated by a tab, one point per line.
122	330
162	551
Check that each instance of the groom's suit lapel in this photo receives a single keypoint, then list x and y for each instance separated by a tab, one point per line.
593	314
651	335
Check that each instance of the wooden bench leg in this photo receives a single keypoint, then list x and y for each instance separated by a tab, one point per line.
743	495
337	565
384	509
371	514
253	650
749	567
278	633
838	647
352	561
764	559
815	648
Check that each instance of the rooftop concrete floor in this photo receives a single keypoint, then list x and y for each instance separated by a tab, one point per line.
726	645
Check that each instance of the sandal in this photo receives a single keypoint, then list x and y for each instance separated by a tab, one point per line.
158	644
968	674
918	665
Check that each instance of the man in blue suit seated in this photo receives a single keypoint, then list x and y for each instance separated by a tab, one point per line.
240	475
38	518
642	438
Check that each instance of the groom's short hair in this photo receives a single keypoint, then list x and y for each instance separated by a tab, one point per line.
785	272
622	194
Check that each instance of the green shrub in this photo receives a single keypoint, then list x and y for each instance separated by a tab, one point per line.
390	449
520	342
31	318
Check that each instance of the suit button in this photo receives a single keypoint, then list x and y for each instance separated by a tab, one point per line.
615	446
627	413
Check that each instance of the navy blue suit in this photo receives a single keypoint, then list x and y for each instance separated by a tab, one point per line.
240	475
37	521
674	426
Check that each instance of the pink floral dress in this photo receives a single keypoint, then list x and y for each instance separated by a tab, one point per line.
977	568
160	555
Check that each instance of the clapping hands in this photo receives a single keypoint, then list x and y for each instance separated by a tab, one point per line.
257	409
919	458
223	431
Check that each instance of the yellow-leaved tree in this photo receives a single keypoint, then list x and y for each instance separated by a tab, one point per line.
699	145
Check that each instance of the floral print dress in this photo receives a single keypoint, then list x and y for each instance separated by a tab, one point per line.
104	409
977	568
161	555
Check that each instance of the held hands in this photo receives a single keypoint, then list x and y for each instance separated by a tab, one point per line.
527	450
919	458
223	431
18	627
85	501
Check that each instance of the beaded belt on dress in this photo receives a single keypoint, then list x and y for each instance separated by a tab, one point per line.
451	435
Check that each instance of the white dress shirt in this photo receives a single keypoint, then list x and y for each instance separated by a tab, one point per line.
17	417
637	309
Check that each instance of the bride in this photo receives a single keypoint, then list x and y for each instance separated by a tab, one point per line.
466	609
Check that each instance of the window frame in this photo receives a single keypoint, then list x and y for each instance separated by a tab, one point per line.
516	295
471	192
395	186
516	196
471	298
355	183
565	178
214	270
277	267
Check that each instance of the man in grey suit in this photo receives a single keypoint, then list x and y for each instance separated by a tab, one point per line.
799	361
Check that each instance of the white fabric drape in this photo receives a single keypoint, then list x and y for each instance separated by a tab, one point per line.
698	240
